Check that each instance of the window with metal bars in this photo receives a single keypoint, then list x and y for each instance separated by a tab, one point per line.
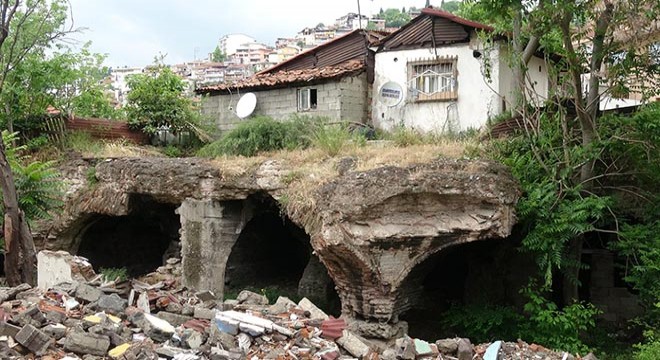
433	80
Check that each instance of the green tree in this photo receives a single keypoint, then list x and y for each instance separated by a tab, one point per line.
395	18
217	55
72	82
585	35
158	99
24	27
450	6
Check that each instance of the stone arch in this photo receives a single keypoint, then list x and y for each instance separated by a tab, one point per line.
272	252
139	240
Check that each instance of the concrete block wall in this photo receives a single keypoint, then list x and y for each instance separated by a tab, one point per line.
355	102
345	99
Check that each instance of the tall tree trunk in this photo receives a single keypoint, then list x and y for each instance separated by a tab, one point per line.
20	254
587	112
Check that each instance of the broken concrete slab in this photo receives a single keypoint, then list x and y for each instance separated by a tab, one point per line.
172	318
251	298
465	350
86	343
54	267
112	304
87	293
353	344
315	313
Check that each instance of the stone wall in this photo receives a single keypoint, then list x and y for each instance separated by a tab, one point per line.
344	99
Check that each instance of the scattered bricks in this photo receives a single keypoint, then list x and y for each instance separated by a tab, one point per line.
204	313
87	293
7	294
32	316
55	317
251	298
315	312
112	304
174	319
86	343
56	331
8	329
465	350
33	339
353	344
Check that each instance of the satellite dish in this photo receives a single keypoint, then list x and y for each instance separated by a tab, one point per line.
246	105
390	94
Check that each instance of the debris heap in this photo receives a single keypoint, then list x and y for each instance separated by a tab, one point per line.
89	317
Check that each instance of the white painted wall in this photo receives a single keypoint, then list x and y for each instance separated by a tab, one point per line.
476	98
479	97
537	80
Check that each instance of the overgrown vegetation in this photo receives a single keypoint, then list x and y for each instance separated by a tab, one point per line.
264	134
158	101
114	274
38	184
542	322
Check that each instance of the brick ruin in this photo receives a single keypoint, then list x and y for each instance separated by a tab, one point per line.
381	247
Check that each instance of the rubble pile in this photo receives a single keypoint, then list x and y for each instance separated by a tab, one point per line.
89	317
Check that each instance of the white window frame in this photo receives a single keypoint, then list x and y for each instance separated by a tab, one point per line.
433	80
304	99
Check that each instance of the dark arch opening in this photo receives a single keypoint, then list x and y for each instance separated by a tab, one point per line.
139	241
477	273
273	255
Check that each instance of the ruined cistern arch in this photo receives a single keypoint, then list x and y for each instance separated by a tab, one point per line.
370	229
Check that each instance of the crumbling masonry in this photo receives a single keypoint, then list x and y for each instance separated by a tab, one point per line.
371	230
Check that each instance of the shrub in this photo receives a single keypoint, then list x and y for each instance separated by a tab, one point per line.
403	136
261	134
112	274
484	323
82	142
249	138
558	328
38	186
332	139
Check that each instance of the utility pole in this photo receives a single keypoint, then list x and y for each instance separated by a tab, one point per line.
360	15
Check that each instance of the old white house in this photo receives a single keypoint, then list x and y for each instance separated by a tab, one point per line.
437	74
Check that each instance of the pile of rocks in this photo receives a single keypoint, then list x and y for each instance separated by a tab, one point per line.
88	317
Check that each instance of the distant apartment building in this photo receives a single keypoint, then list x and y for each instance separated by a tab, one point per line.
352	21
119	84
229	44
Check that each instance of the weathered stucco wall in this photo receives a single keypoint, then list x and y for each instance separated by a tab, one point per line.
476	100
344	99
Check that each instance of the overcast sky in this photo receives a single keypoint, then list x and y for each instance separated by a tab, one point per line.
132	32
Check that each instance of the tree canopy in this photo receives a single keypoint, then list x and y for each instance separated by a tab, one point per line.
157	100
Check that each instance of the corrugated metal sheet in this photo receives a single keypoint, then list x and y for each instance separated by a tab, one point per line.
336	51
432	27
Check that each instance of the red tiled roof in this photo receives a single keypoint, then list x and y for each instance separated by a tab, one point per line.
283	78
